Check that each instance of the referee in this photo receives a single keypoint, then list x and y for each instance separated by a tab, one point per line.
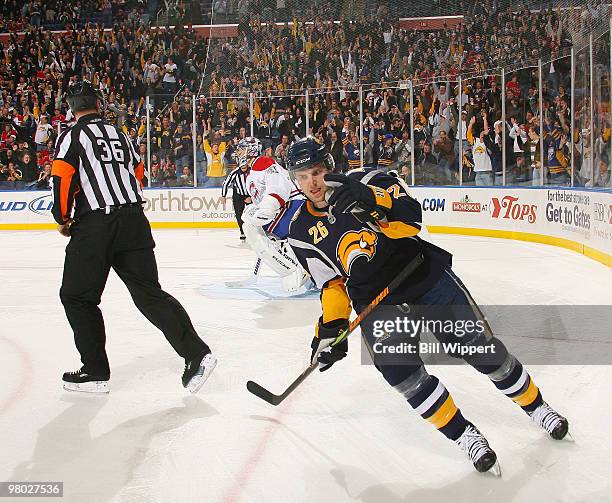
236	181
97	201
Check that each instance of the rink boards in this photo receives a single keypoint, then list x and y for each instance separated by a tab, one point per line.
579	220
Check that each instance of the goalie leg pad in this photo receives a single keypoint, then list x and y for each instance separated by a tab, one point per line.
273	254
295	280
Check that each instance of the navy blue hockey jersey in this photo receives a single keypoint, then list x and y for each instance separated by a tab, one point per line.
343	254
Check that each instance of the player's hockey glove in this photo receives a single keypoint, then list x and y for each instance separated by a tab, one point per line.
322	350
366	203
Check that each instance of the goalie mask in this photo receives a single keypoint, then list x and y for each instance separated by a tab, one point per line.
247	148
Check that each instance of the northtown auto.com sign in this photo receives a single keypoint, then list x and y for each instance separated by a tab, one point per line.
170	200
188	205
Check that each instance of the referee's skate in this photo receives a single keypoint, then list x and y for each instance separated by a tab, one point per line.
198	371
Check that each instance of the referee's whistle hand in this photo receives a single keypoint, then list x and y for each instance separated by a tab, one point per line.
64	229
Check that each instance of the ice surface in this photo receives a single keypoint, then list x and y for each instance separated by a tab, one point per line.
343	436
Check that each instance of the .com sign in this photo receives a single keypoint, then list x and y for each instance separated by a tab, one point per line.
41	205
433	204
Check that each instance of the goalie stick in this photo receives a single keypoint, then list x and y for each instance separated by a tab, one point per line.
273	399
251	280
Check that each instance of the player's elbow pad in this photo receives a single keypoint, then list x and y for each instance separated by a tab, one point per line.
269	206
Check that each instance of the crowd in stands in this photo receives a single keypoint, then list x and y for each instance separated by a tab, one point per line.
318	55
17	15
276	63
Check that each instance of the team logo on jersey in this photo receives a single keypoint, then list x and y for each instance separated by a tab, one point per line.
355	244
253	190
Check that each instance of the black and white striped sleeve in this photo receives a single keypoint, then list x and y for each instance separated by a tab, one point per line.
65	177
230	182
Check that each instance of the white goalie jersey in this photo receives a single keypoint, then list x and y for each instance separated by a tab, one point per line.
267	178
266	223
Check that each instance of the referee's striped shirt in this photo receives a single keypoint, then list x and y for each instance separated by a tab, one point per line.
236	181
95	166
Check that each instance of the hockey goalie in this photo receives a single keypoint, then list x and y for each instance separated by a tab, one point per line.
266	221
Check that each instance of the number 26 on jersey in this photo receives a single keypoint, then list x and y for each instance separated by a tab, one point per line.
318	232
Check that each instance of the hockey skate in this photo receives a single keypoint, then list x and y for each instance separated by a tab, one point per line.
197	371
84	382
475	445
550	421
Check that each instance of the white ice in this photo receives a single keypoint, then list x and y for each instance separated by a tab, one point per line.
343	436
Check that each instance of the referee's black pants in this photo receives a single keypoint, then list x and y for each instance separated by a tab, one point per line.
120	240
239	204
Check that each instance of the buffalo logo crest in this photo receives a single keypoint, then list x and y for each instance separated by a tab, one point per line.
354	244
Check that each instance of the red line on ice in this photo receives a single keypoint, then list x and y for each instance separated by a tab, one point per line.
248	468
25	379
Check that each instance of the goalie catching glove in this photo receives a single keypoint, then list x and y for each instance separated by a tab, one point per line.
365	202
322	349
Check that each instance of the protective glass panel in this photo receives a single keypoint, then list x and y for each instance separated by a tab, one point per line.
522	127
601	102
171	119
278	120
583	165
386	129
556	75
482	142
435	118
220	122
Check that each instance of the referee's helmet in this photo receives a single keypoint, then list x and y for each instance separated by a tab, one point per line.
82	95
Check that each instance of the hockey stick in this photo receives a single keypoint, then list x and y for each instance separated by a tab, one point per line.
251	280
273	399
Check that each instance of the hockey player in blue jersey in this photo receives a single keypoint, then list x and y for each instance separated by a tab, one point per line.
354	234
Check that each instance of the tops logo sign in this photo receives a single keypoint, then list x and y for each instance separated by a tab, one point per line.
41	205
508	207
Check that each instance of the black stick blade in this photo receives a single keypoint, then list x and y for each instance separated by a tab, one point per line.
263	393
273	399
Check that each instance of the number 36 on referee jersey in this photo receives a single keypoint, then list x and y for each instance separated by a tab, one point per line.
111	150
